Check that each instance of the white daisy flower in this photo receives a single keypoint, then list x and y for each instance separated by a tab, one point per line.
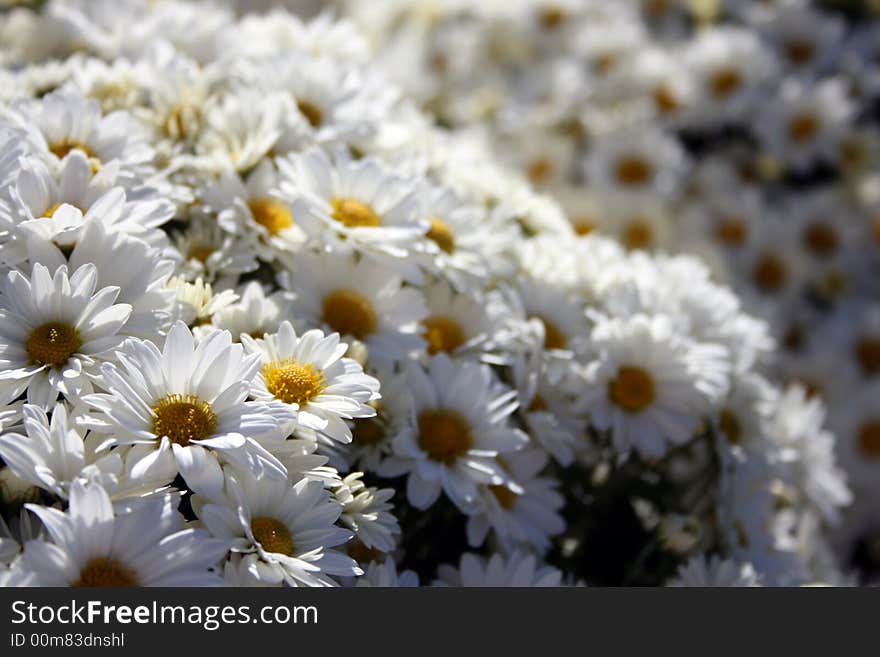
552	412
310	376
241	129
715	572
286	532
802	125
62	122
189	395
140	271
468	242
807	451
361	299
251	210
385	575
651	386
55	329
522	519
54	454
519	570
458	427
366	511
641	161
730	68
210	253
255	312
459	324
91	545
354	202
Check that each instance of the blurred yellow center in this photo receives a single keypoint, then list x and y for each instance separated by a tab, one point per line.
632	389
349	313
312	112
770	273
799	52
821	239
271	214
441	234
104	571
539	170
868	355
52	343
724	82
272	535
62	148
633	170
442	334
200	252
292	382
869	439
637	234
803	128
354	214
444	435
731	231
553	337
183	418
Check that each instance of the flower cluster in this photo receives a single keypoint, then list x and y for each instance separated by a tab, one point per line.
264	323
742	131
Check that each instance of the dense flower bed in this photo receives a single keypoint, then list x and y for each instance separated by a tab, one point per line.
265	323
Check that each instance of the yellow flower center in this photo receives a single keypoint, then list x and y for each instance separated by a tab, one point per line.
665	100
583	225
104	571
821	239
868	355
553	337
633	170
52	343
272	535
604	63
551	17
292	382
730	426
183	418
637	234
724	82
770	273
799	52
506	497
312	112
349	313
869	439
803	128
200	253
442	334
539	170
271	214
731	231
353	214
632	389
444	435
62	148
441	234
